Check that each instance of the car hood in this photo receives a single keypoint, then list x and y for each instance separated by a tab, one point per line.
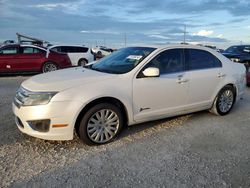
64	79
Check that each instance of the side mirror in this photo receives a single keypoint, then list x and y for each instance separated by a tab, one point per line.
151	72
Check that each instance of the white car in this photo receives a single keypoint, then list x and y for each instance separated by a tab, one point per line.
132	85
101	51
79	55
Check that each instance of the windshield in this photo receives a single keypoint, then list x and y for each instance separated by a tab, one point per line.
238	49
123	60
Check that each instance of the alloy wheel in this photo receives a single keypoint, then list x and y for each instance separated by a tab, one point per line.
226	101
103	126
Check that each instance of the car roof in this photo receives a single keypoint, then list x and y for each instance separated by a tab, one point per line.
58	45
161	47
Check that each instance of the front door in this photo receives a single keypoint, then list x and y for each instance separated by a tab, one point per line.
159	97
29	59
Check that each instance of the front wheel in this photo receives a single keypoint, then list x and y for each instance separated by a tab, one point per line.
224	101
48	67
101	124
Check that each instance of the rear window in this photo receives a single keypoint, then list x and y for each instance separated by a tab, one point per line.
238	49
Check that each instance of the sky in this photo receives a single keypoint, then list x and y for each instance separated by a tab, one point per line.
116	23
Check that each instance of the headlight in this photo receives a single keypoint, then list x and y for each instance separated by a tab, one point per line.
235	59
38	99
28	98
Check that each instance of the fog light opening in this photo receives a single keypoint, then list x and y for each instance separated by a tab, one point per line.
40	125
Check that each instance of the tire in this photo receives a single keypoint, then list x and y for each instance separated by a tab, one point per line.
99	54
49	67
100	124
224	101
82	62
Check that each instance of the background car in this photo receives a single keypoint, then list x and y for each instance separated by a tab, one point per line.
79	55
248	76
29	58
239	54
101	51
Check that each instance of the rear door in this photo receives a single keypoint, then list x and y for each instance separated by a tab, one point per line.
71	53
81	53
75	53
204	72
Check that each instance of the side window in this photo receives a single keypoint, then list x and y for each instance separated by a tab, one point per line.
200	59
9	50
30	50
82	49
169	61
57	49
67	49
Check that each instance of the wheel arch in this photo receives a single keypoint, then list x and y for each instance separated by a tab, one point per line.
235	89
228	84
110	100
82	58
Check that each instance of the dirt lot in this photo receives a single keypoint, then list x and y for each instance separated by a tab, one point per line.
197	150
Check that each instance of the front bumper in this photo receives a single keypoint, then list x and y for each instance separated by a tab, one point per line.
57	112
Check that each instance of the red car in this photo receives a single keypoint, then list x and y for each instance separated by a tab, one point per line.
248	77
29	58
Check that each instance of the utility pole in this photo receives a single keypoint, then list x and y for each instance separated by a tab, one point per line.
125	39
104	42
184	34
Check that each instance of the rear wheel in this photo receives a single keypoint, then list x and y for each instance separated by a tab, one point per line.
99	54
82	62
48	67
101	124
224	101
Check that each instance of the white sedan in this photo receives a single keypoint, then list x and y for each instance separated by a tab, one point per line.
101	51
132	85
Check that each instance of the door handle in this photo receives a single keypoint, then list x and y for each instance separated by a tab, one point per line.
221	75
181	80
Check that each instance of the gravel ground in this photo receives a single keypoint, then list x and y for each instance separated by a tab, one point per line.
196	150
